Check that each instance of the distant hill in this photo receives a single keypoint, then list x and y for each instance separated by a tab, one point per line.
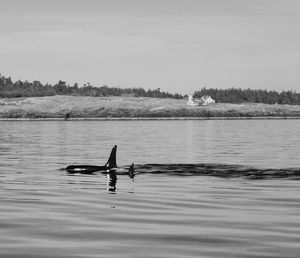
17	89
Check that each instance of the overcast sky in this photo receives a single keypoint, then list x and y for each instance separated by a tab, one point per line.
176	45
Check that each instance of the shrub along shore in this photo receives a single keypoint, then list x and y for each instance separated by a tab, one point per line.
78	107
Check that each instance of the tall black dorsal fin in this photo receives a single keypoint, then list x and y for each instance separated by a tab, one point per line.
112	162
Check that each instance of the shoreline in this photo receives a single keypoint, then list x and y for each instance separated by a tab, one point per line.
152	118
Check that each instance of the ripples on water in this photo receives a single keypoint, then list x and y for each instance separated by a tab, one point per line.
46	212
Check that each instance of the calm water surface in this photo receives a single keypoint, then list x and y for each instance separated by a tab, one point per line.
46	212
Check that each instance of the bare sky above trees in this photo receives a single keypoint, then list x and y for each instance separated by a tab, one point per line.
176	45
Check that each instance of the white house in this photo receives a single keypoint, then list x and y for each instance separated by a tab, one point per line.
203	101
191	102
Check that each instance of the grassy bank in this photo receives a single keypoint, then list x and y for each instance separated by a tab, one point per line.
131	107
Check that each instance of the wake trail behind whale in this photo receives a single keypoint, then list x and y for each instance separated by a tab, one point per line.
217	170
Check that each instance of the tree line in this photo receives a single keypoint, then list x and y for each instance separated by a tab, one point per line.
238	96
17	89
10	89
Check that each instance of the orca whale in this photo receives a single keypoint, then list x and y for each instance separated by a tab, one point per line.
89	169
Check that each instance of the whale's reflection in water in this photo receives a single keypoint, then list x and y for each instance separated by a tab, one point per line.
111	180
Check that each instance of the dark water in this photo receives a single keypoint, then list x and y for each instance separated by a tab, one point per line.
200	189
